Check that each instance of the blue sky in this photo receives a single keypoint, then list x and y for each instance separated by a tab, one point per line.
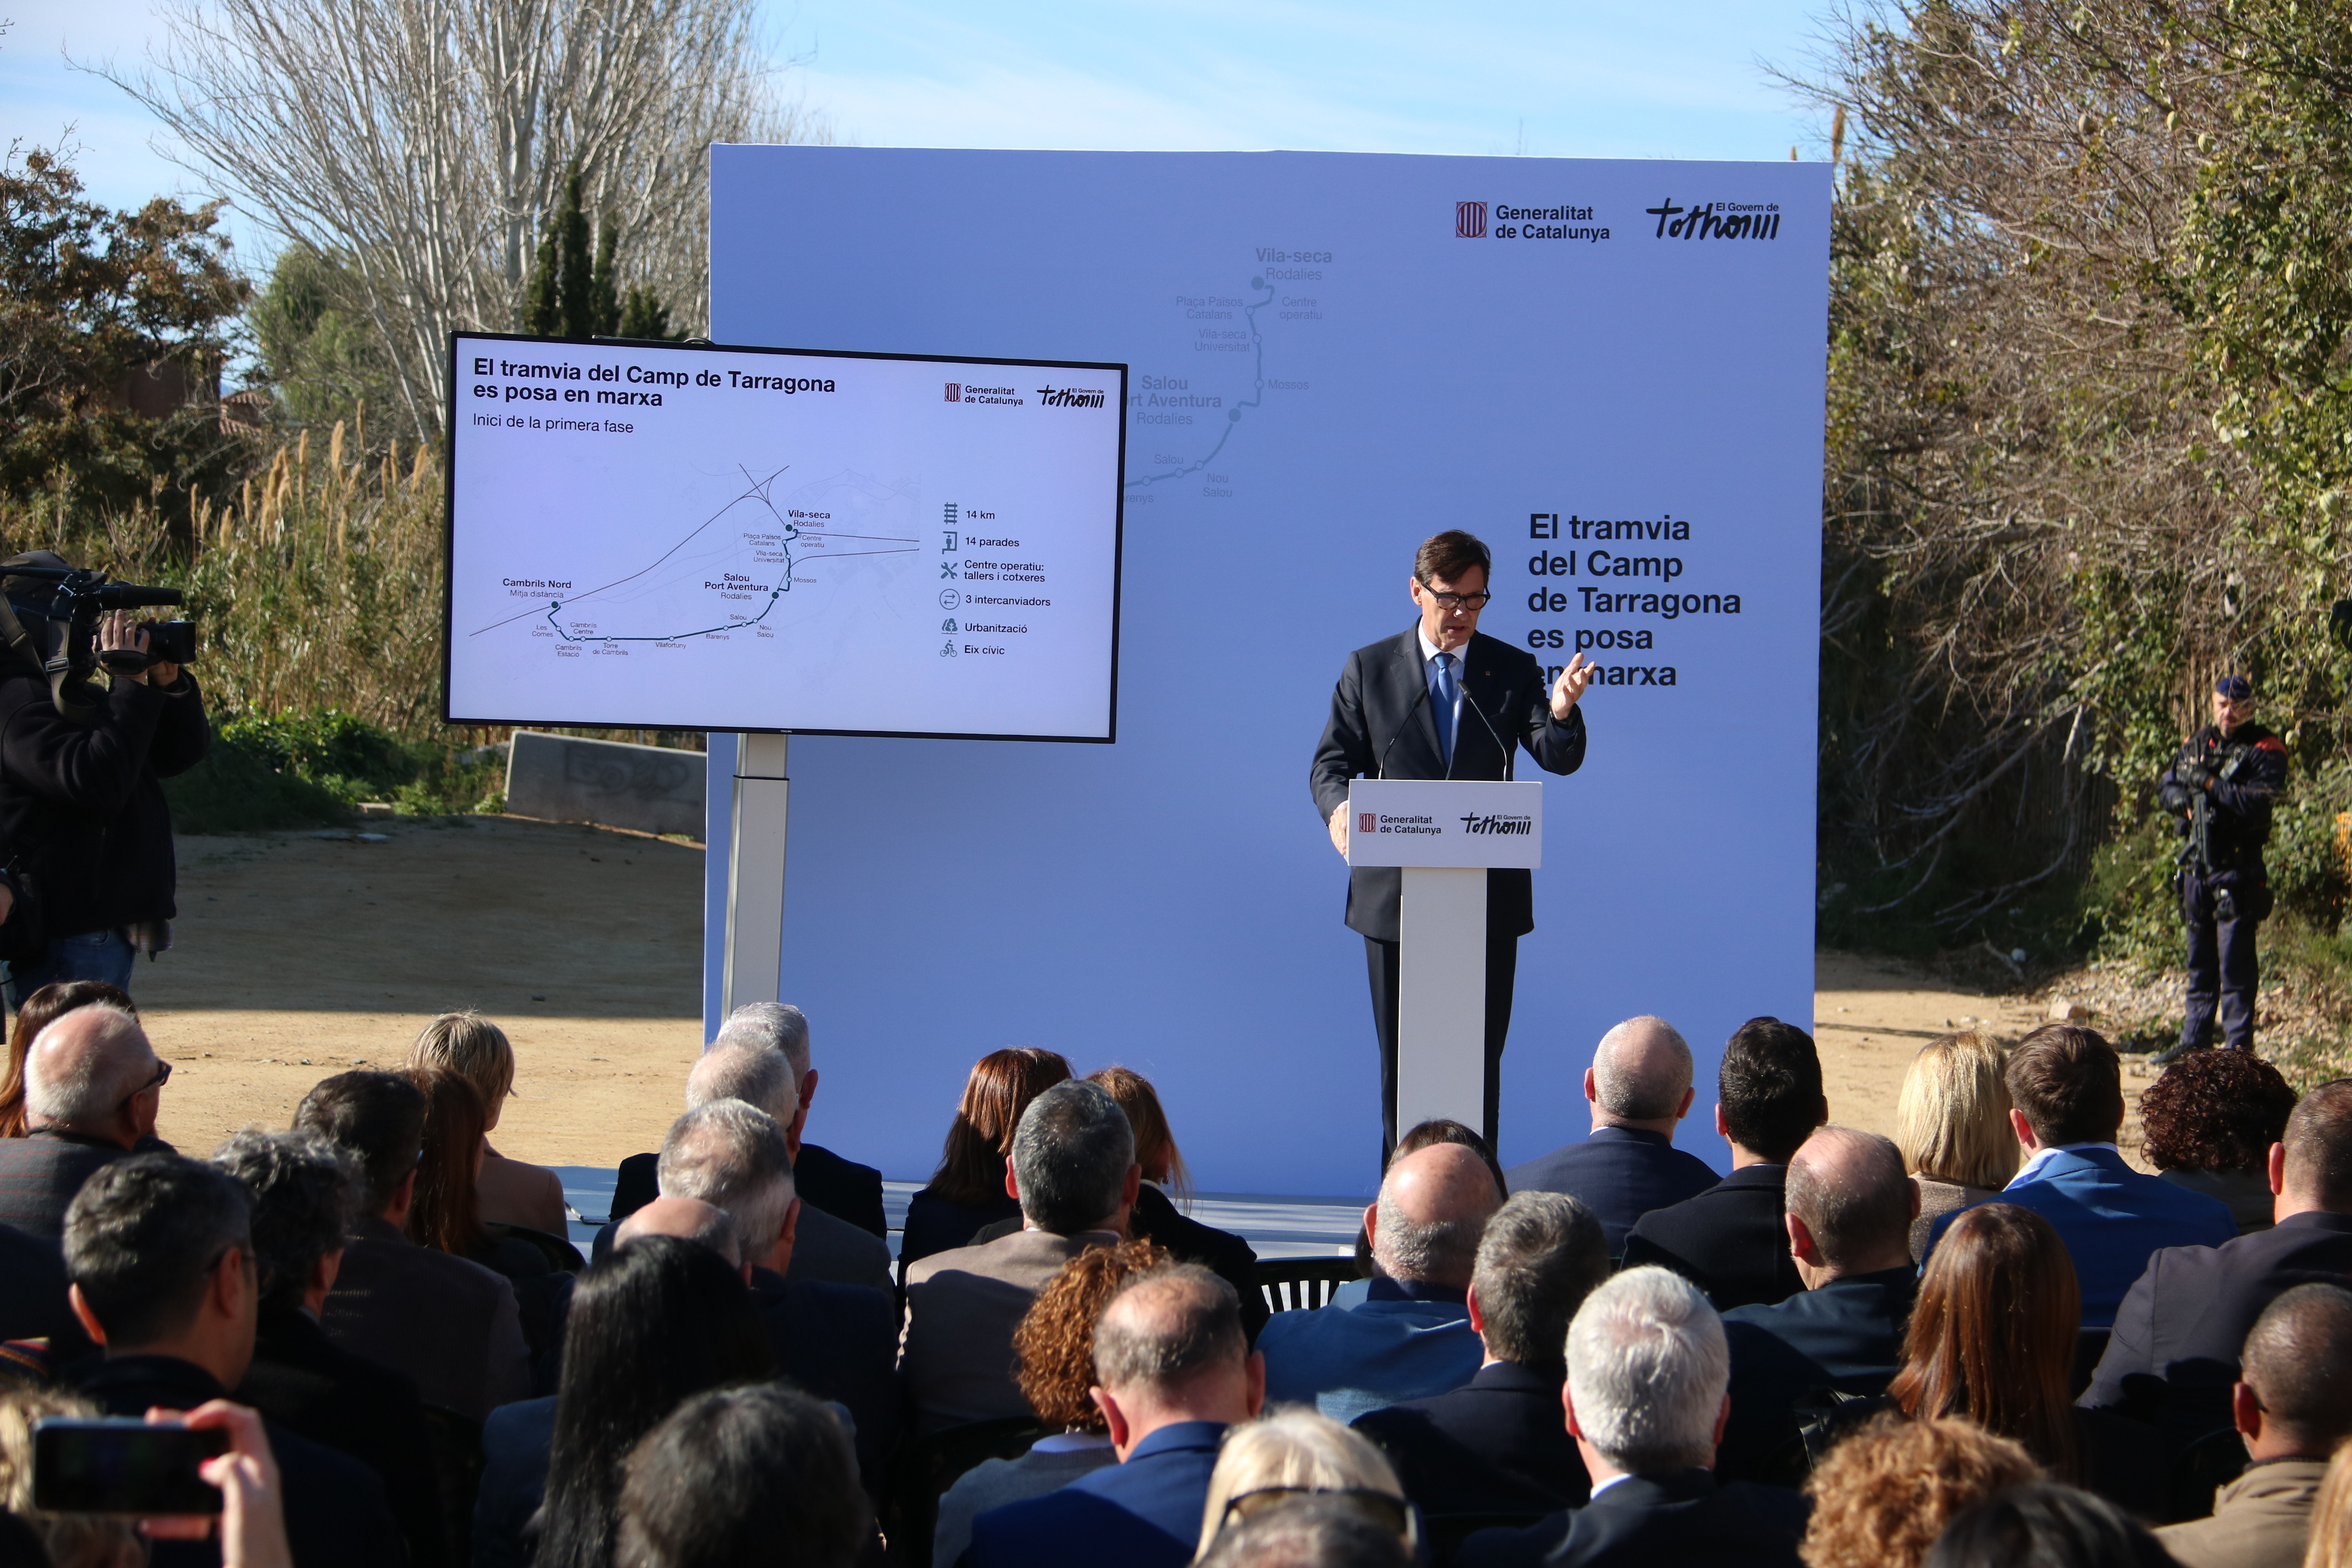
1677	79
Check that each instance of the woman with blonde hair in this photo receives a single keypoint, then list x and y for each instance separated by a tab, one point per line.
1951	1121
1294	1451
2329	1545
476	1050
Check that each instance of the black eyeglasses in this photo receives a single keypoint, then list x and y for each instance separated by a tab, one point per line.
162	1076
1386	1510
1477	601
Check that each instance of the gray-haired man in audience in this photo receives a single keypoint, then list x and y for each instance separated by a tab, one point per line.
92	1087
843	1188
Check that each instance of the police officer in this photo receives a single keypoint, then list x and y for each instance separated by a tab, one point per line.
2221	786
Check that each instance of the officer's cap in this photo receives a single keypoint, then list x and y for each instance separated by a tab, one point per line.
2236	688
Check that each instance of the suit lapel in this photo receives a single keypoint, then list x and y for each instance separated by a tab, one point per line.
1414	694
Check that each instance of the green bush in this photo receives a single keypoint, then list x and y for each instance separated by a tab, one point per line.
305	769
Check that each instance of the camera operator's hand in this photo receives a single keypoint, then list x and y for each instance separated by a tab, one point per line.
119	632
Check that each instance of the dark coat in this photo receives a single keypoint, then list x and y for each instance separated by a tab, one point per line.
335	1511
935	1225
299	1380
81	805
1731	1240
2238	808
838	1342
1620	1174
1680	1521
516	1441
1499	1443
1382	725
448	1324
1143	1513
1846	1337
1157	1219
41	1172
33	1304
842	1188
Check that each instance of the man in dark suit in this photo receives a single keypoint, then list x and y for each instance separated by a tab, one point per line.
1497	1444
449	1325
1647	1369
92	1087
2174	1353
1732	1239
1174	1373
1850	1211
1638	1086
1442	702
33	1304
161	1254
303	1194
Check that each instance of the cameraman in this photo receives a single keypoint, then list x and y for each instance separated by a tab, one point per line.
85	833
2220	786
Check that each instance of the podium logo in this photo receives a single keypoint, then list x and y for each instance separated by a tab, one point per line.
1717	220
1523	827
1367	823
955	392
1069	397
1469	220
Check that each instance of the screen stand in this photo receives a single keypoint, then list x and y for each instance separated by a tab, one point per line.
1442	998
755	875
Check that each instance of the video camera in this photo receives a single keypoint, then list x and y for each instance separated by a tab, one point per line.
51	612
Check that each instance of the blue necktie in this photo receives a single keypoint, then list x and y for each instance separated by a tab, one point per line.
1448	696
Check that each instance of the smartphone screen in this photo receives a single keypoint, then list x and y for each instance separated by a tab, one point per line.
121	1465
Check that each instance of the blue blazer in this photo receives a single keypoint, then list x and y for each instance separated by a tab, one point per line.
1620	1174
1385	1352
1143	1513
2112	1219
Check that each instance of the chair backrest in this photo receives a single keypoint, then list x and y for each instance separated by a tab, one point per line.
1302	1284
562	1258
925	1467
457	1440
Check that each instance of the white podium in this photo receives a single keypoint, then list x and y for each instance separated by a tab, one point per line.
1445	834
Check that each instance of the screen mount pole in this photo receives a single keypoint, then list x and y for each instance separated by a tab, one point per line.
755	874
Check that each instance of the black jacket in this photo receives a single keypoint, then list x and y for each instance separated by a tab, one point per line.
935	1225
842	1188
1499	1443
1846	1337
33	1303
41	1172
1730	1241
1679	1520
1155	1218
81	805
2238	807
1382	725
838	1342
1620	1174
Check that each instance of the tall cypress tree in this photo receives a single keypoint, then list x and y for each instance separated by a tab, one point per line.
577	282
572	296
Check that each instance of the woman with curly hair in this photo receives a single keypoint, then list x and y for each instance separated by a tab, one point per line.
1883	1496
1056	1344
2210	1120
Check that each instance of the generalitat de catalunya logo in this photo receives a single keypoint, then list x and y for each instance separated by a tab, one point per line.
955	392
1469	220
1367	822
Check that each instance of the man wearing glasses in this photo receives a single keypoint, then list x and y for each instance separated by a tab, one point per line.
1441	700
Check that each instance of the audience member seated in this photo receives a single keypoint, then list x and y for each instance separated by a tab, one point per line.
1074	1174
2174	1352
33	1297
742	1476
1638	1086
510	1191
2331	1516
1293	1453
2210	1124
1173	1371
41	1008
1412	1337
2044	1523
1156	1217
1056	1347
1882	1495
1850	1212
842	1188
160	1252
1315	1530
837	1342
303	1195
2066	1085
1730	1240
447	1323
2294	1408
966	1193
656	1321
1497	1444
1993	1337
1951	1121
1422	1135
92	1087
1647	1371
824	1246
69	1540
446	1215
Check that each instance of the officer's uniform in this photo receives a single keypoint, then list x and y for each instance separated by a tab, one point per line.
2225	890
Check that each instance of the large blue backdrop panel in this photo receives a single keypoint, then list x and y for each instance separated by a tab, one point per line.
1332	357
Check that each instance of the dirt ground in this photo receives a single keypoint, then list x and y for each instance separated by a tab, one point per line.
300	953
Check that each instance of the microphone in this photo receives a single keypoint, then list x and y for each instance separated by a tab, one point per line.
1510	759
1381	770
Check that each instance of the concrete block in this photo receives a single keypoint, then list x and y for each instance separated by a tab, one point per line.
651	789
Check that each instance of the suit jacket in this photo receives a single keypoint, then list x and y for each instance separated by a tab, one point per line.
1730	1240
2112	1219
449	1325
1683	1519
335	1511
41	1172
1620	1174
935	1225
2174	1351
1846	1335
33	1303
1404	1343
1499	1443
843	1188
299	1380
515	1442
1143	1513
1383	724
2261	1519
956	1352
825	1247
838	1342
993	1483
1157	1219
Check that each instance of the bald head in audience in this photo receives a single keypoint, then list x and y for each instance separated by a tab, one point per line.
1169	1347
1640	1076
689	1220
93	1073
1850	1205
2293	1398
1433	1205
